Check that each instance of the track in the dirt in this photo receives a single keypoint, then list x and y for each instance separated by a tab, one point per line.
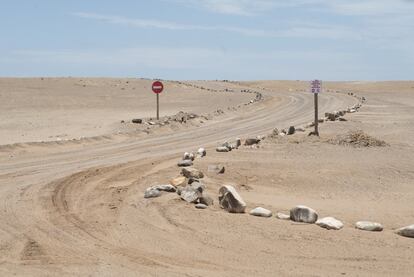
35	208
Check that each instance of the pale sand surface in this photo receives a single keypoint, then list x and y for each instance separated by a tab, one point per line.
77	207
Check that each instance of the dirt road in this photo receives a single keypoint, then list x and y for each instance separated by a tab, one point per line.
77	208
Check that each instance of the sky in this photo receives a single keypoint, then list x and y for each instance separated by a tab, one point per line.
209	39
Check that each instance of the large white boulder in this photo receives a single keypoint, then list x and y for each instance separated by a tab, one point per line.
303	214
369	226
230	200
406	231
330	223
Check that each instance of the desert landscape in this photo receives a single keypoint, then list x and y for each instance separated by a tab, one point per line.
91	184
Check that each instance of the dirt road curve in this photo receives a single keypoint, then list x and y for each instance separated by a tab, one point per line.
59	217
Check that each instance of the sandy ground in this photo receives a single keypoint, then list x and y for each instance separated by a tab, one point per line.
77	208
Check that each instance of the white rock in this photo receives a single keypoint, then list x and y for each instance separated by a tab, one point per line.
259	211
201	152
201	206
369	226
152	193
167	188
218	169
188	156
230	200
283	216
406	231
190	194
222	149
185	163
191	172
303	214
330	223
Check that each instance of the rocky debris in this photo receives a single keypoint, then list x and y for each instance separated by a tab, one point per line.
406	231
275	133
330	223
230	200
206	200
218	169
201	206
330	116
291	130
167	188
251	141
369	226
341	113
197	185
342	119
283	216
155	191
358	139
303	214
150	123
300	129
188	156
222	149
191	172
190	194
238	142
179	181
185	163
262	212
201	152
152	193
182	117
137	121
179	190
227	145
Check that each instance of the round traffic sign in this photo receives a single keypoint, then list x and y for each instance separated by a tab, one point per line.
157	87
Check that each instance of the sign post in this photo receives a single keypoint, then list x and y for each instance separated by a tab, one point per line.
316	88
157	88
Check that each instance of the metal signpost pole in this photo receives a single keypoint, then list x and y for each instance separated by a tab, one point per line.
316	115
158	106
316	88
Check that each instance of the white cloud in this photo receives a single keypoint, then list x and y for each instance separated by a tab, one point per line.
301	30
344	7
233	7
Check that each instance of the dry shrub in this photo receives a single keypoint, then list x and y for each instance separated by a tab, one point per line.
358	139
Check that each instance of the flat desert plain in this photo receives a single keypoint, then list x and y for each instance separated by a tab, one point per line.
74	169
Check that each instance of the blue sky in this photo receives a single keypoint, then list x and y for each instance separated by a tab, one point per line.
209	39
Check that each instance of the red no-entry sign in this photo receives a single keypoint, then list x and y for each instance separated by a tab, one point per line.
157	87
